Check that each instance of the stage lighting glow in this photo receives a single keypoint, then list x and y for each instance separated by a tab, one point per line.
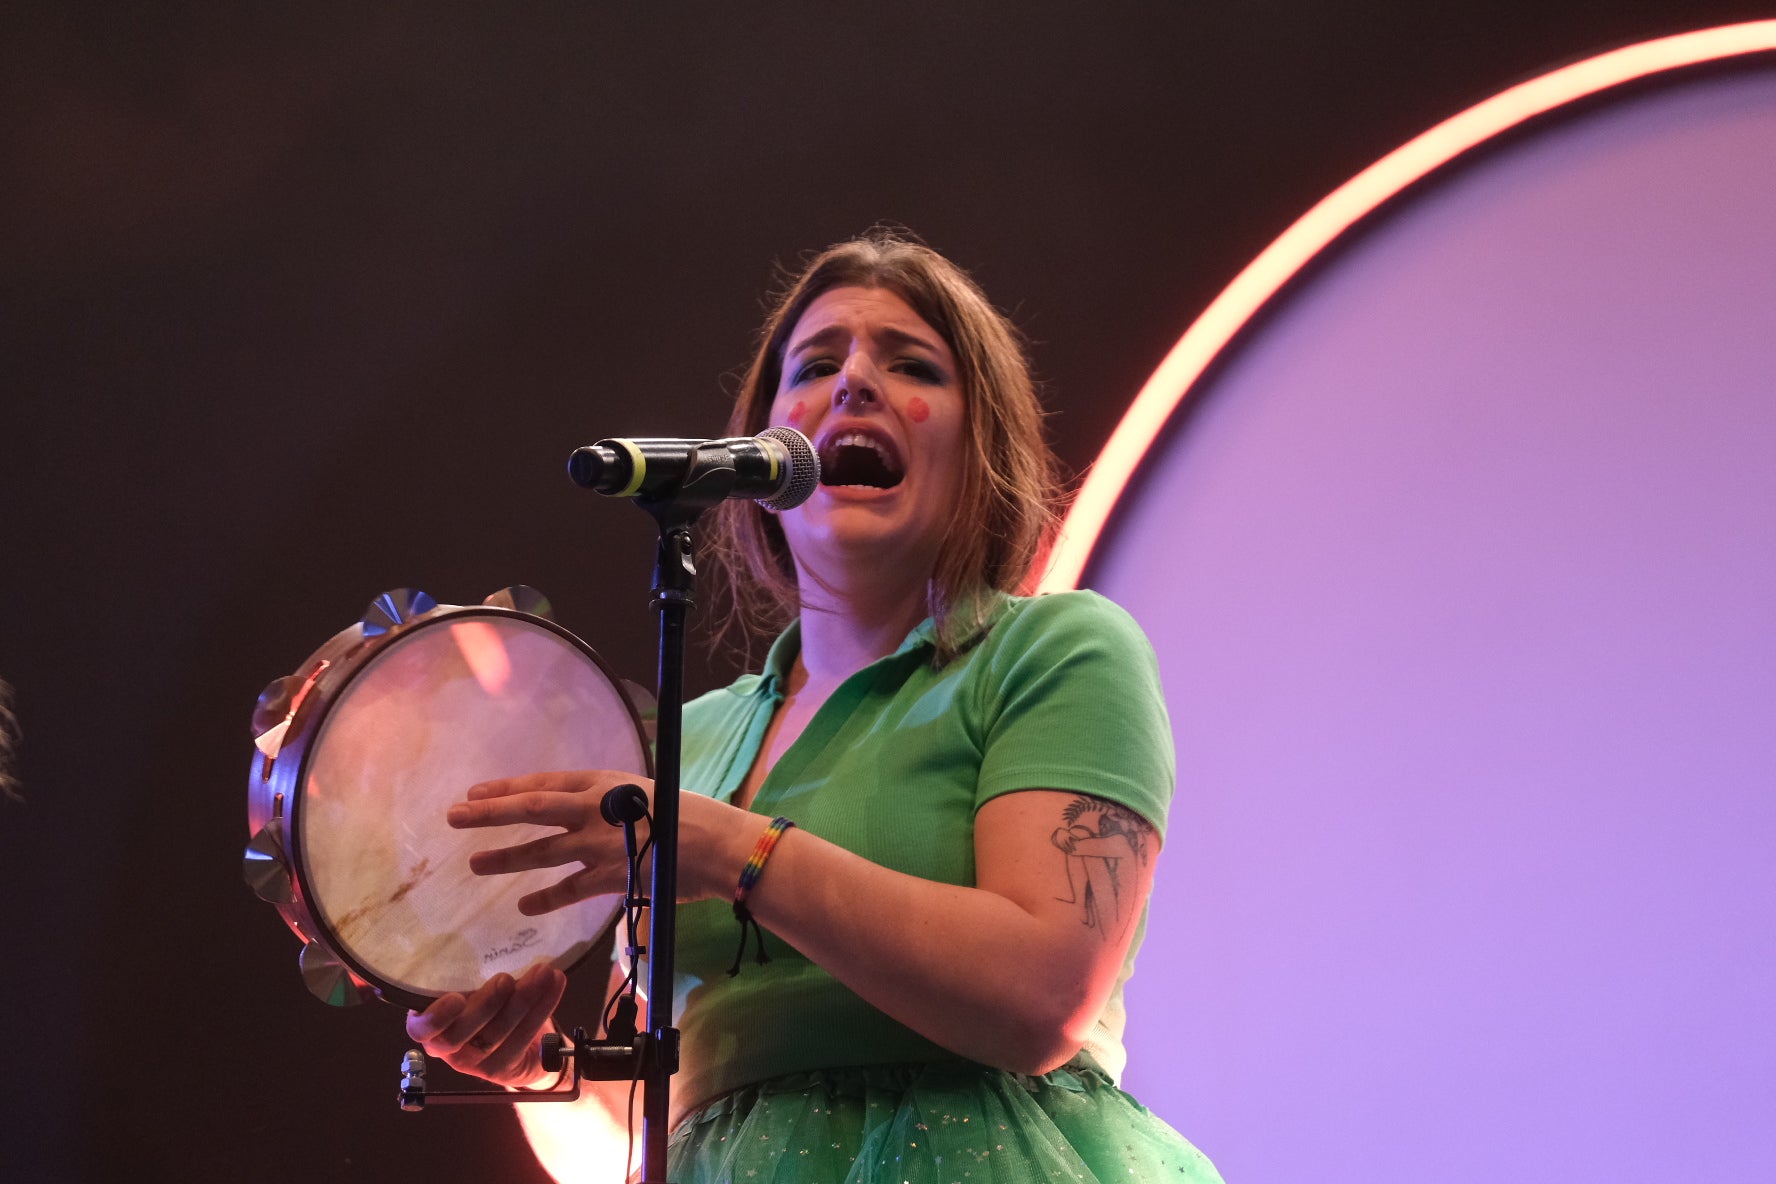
1317	229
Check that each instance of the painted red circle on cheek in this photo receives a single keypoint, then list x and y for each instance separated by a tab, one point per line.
919	409
796	413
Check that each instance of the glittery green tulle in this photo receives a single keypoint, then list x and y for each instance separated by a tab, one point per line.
952	1123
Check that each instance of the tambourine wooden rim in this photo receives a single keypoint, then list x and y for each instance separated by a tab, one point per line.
293	717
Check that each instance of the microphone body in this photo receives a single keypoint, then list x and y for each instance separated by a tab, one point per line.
777	468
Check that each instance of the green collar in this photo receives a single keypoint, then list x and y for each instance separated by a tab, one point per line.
788	646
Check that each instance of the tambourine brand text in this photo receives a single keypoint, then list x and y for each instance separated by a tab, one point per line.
522	940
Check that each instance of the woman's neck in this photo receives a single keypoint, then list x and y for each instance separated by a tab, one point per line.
841	634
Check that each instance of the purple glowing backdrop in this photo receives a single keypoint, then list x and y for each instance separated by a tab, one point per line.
1463	577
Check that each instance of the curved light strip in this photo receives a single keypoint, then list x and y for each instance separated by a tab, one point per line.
1335	214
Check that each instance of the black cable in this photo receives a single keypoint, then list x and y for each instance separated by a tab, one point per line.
614	1012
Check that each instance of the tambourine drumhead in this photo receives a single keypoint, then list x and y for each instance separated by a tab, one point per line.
462	697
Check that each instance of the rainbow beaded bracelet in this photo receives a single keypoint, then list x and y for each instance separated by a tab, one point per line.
755	866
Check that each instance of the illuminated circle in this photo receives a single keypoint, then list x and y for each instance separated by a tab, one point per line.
1461	566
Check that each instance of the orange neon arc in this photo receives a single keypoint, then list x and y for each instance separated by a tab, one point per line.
1324	223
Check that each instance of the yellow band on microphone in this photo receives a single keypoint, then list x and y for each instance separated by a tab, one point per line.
638	467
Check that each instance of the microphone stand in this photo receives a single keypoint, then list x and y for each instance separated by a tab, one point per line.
675	575
675	578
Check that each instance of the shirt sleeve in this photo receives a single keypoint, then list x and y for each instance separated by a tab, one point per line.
1071	700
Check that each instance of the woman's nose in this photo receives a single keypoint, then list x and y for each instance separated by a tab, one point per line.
858	382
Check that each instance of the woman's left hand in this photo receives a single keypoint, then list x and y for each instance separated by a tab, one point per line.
492	1032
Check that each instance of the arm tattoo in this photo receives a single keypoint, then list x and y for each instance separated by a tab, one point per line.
1094	839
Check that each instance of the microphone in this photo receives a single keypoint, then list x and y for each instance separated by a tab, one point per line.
777	468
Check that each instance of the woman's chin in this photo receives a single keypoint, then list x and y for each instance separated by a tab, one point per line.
838	514
850	539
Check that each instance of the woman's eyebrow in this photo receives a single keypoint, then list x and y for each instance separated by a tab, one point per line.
819	337
837	333
902	337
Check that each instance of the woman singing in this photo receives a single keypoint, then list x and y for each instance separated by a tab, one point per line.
942	802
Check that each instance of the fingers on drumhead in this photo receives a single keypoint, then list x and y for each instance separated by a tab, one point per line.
544	852
568	890
577	781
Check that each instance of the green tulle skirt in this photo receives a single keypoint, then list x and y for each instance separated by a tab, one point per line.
949	1123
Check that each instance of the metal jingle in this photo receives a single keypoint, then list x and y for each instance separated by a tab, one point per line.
328	979
394	609
272	715
523	598
291	696
271	740
266	865
274	703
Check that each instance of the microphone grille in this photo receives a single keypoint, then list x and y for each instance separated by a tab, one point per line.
801	470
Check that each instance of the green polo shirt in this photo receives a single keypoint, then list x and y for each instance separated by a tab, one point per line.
1062	693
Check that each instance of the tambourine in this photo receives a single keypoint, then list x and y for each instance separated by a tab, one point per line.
360	753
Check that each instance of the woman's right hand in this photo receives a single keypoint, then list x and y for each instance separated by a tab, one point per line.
494	1031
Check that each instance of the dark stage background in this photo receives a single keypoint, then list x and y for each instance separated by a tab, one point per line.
299	303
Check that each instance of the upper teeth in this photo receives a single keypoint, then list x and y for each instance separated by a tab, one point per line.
860	440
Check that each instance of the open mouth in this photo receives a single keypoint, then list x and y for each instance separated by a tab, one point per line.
858	458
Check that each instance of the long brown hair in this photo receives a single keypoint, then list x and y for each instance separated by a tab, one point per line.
1011	486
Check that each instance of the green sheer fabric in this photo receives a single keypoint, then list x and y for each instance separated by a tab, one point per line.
951	1122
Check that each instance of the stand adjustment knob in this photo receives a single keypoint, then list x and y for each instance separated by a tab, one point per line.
554	1046
413	1081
